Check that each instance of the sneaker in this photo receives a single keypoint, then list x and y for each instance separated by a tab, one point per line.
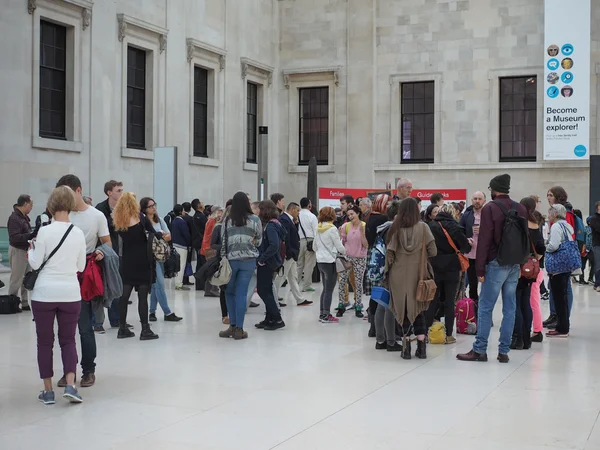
309	289
226	333
63	381
380	345
99	329
546	296
551	318
253	305
274	325
328	319
72	395
450	340
305	303
47	397
172	318
282	304
152	317
394	348
348	306
556	334
182	288
596	288
261	325
88	380
358	312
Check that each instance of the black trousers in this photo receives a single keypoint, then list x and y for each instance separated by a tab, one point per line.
199	263
443	303
559	286
584	260
223	301
418	326
523	313
473	281
143	292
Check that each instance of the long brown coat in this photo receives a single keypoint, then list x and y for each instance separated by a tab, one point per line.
402	263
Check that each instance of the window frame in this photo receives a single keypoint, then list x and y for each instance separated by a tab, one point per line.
425	84
197	104
301	161
130	143
252	112
524	110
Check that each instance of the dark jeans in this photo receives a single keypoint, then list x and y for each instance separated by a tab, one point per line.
559	286
66	314
264	285
329	279
584	260
113	313
88	338
447	288
419	326
473	281
143	292
524	313
596	250
199	263
543	289
223	301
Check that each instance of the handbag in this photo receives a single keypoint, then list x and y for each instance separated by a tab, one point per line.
462	259
531	269
341	262
566	259
223	273
309	243
426	288
31	277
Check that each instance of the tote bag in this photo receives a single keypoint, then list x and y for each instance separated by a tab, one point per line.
566	259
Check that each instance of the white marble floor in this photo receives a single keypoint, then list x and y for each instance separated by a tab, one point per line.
306	386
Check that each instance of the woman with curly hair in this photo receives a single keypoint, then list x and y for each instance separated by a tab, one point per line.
138	267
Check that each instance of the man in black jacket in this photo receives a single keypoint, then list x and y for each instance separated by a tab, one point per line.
289	220
595	226
199	220
470	222
19	233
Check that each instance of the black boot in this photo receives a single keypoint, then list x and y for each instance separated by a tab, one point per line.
125	332
551	319
527	341
421	352
372	328
147	334
517	342
406	350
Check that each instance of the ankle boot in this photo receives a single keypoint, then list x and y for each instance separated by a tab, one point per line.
372	328
147	334
516	343
406	350
421	352
124	332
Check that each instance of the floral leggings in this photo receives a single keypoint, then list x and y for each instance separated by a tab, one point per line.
359	266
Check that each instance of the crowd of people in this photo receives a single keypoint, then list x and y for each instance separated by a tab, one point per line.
416	265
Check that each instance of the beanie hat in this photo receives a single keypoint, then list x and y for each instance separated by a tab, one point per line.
501	183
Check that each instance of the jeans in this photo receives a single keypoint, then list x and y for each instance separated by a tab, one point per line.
524	313
66	314
472	281
237	290
385	326
329	279
158	294
446	293
264	284
113	313
559	288
569	298
88	338
497	279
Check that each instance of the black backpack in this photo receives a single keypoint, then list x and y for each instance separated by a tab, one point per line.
514	246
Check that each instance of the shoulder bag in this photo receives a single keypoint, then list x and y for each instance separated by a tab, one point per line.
341	262
566	259
464	261
426	288
309	244
531	269
31	277
223	273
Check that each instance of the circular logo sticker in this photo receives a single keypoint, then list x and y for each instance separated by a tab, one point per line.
553	64
567	77
580	151
567	49
553	92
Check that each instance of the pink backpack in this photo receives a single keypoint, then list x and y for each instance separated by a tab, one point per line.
466	320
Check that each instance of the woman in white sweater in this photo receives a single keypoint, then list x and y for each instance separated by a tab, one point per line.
56	294
327	246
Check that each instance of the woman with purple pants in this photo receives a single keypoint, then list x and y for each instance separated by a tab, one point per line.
56	294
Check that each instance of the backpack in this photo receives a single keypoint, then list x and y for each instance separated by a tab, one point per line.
9	304
588	239
437	333
172	264
466	320
579	229
376	263
514	247
90	280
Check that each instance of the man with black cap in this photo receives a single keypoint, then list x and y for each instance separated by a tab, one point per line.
494	277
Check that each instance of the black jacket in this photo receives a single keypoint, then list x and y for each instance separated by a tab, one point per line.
292	238
445	263
198	225
373	222
595	226
467	221
270	248
104	207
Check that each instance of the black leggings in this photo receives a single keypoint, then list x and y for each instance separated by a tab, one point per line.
223	301
445	294
143	291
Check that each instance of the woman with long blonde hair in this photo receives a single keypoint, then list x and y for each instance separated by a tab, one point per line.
138	267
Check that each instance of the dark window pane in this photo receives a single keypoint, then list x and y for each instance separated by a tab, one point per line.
418	122
314	125
52	109
136	98
251	122
518	118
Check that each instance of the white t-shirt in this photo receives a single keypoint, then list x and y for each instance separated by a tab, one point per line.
93	224
57	282
309	224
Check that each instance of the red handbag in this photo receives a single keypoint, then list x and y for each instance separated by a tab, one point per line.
531	269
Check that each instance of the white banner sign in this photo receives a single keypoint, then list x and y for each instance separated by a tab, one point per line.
567	80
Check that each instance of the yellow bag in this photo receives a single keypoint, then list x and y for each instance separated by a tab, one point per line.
437	333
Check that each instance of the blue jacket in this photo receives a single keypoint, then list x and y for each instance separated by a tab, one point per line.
180	233
467	221
270	247
292	239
